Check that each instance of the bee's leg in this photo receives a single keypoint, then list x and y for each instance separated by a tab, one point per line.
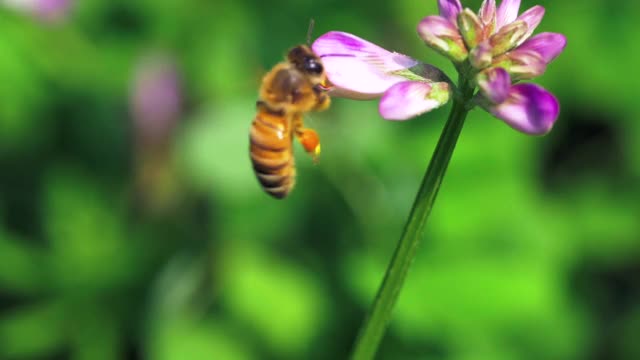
323	102
322	99
308	138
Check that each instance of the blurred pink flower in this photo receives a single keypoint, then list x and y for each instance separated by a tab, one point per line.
45	10
53	10
156	98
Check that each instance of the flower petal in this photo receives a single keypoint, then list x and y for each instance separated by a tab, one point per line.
487	12
547	45
529	108
449	9
357	68
409	99
494	84
532	17
443	36
507	12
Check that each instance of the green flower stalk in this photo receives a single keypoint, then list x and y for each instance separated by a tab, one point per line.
492	52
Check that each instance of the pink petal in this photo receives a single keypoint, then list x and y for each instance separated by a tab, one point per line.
529	108
547	45
488	11
409	99
437	26
449	9
507	12
358	68
532	17
494	84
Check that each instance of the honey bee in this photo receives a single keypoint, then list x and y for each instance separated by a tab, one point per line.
290	90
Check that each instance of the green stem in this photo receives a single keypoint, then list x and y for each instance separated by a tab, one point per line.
375	325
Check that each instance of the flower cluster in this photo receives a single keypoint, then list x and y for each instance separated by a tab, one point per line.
493	49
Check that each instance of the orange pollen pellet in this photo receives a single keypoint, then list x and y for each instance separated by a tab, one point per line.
310	141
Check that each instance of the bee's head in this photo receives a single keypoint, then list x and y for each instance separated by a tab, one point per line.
305	60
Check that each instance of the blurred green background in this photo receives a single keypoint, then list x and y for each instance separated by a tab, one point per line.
132	227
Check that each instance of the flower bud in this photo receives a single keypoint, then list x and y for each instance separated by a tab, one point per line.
488	13
470	27
508	37
522	64
480	57
494	84
449	9
443	36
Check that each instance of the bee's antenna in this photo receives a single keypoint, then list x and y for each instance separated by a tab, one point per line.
311	25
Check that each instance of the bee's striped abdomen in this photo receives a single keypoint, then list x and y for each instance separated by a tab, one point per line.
271	154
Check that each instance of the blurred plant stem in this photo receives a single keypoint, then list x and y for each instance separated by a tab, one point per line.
379	315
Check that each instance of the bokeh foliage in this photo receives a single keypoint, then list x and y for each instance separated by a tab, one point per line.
532	251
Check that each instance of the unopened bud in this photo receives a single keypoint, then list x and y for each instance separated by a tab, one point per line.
442	36
494	84
471	28
508	37
480	57
522	64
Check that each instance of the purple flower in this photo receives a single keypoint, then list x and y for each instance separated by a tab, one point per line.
493	48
